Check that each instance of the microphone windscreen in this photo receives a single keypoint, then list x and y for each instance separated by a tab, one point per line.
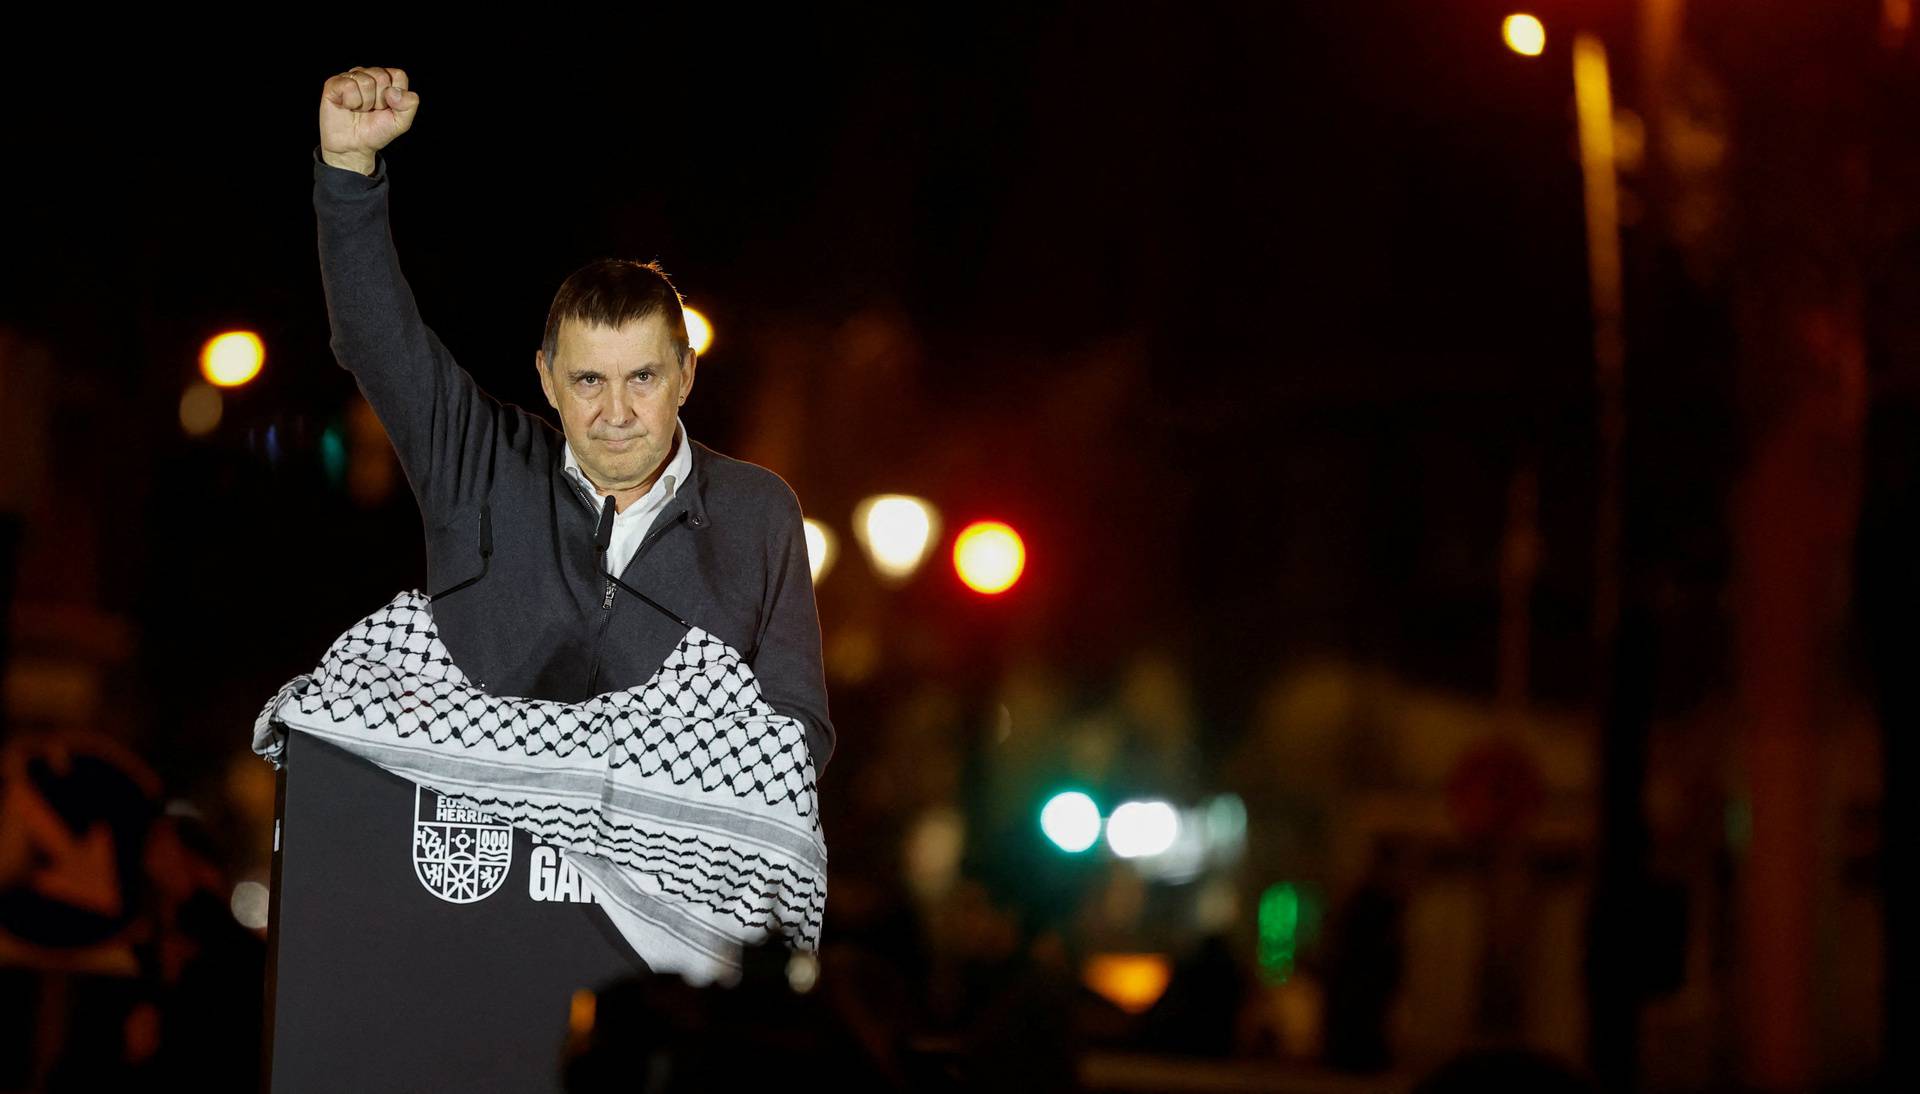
603	535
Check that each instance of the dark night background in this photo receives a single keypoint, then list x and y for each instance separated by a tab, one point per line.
1250	316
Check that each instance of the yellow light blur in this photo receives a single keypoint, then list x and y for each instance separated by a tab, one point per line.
699	330
1524	34
897	531
233	358
1131	981
989	556
200	407
821	549
580	1012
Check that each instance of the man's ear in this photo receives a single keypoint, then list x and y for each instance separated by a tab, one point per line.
686	374
546	382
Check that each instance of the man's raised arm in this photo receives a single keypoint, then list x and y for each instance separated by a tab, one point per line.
442	425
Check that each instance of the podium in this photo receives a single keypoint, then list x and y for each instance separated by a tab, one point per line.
414	945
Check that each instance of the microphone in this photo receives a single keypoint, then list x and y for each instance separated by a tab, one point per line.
602	538
486	551
603	535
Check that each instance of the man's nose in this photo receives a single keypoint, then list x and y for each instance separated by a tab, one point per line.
623	407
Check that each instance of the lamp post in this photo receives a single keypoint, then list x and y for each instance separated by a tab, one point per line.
1622	639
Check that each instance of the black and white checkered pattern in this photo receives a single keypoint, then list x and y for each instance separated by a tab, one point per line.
700	719
698	732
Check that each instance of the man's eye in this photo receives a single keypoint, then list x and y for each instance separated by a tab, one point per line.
588	379
644	375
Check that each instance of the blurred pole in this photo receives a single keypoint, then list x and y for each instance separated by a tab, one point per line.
12	531
1509	936
26	401
1593	103
1798	182
1613	1010
1886	592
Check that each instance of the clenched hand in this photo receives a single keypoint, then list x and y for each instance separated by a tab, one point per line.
361	111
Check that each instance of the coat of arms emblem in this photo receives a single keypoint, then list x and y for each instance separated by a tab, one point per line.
460	853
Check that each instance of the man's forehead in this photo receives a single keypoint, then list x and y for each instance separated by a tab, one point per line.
638	335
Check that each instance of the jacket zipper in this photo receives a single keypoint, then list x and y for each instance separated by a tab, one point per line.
606	604
606	600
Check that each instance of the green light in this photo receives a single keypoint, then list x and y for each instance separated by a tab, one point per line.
333	455
1071	821
1279	931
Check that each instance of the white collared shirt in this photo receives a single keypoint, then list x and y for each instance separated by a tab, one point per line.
630	525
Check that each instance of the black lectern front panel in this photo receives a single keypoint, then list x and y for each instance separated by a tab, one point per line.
416	945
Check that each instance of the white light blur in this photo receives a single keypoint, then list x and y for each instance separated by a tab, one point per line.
897	531
821	549
1184	858
803	971
699	329
249	904
1071	821
1225	818
1524	34
1141	828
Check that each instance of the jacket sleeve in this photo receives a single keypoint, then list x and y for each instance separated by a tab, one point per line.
443	427
787	658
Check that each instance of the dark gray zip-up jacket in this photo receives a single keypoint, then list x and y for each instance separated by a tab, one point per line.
727	554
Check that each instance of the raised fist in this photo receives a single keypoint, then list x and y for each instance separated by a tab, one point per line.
361	111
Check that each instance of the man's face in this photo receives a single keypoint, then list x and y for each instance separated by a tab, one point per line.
617	390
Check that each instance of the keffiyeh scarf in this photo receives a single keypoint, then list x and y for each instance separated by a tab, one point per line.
686	801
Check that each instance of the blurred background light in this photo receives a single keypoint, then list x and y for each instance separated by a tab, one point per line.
989	556
897	532
333	455
1524	34
249	905
1131	981
1071	821
821	549
1141	828
200	409
1225	819
233	358
803	971
1279	932
1185	856
699	330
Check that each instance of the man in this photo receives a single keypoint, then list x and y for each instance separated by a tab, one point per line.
516	512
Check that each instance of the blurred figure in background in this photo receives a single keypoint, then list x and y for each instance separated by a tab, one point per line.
1365	962
1199	1015
773	1030
1006	998
202	1027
